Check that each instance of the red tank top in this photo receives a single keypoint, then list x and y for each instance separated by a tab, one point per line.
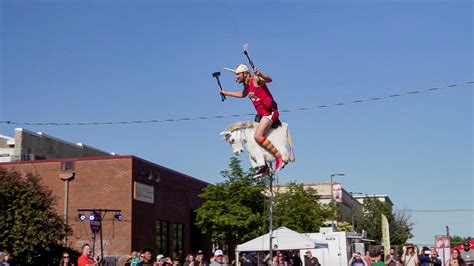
261	98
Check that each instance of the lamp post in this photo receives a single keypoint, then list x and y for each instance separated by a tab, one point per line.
332	193
66	177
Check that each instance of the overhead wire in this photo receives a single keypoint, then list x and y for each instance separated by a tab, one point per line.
9	122
440	210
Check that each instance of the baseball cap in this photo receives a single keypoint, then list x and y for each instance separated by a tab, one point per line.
159	257
241	68
200	252
218	253
308	251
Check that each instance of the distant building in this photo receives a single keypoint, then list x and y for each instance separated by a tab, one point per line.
349	204
382	198
157	203
31	146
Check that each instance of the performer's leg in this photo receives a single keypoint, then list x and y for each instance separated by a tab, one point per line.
263	141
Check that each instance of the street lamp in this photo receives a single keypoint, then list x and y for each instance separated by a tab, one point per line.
332	193
66	177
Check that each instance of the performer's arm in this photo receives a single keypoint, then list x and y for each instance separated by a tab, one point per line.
262	78
236	94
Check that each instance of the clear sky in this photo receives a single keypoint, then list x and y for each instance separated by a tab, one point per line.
94	61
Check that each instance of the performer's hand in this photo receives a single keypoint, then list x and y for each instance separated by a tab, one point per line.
256	71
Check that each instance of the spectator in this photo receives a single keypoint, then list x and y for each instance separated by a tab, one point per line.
168	261
176	262
245	259
309	260
225	260
65	260
135	258
200	260
85	258
218	256
357	260
280	261
379	258
409	257
189	260
147	258
294	259
435	259
391	258
399	261
424	257
467	253
160	260
368	258
4	258
455	259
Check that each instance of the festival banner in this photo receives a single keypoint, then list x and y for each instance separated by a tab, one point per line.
337	192
385	234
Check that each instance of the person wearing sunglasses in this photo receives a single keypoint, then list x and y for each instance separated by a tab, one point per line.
65	260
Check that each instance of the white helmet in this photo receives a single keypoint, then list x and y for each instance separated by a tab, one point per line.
241	68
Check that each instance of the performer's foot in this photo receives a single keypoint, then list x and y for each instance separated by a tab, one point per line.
263	170
279	164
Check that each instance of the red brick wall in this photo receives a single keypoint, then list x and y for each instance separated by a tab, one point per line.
98	183
107	183
175	198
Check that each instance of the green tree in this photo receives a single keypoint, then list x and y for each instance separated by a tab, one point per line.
344	227
399	224
30	229
400	228
458	240
297	208
234	209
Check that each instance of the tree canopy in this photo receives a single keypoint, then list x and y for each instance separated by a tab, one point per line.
30	229
233	209
236	210
297	208
399	223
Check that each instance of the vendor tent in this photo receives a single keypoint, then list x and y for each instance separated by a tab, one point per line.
283	239
459	247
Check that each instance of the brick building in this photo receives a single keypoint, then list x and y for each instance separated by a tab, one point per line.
157	203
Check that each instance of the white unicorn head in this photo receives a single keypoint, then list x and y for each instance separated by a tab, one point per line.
234	138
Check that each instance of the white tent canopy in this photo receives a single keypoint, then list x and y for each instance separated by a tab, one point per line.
283	239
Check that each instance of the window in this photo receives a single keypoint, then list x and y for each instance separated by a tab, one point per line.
162	241
178	240
67	166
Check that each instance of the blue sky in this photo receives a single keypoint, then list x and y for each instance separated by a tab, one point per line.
94	61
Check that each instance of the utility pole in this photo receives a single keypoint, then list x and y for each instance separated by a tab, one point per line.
270	219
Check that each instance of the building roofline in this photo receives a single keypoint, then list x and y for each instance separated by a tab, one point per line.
374	196
6	137
169	169
70	159
314	184
103	158
371	196
77	145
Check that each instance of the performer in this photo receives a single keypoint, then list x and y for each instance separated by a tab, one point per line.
255	87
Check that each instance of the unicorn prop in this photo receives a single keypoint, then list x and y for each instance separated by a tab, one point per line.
240	135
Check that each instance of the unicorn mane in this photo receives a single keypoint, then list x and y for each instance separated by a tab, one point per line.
240	125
